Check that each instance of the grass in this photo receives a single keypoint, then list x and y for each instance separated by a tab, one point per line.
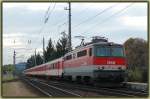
8	77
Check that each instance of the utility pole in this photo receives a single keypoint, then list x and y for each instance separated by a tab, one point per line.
69	26
14	58
35	57
14	62
43	50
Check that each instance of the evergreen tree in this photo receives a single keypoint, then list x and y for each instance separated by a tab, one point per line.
31	61
39	59
50	51
61	46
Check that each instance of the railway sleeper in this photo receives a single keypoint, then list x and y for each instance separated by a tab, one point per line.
87	80
79	79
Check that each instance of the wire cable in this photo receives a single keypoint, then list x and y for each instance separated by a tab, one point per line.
95	15
47	12
106	19
46	19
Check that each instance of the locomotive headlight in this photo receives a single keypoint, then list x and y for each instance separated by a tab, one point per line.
103	67
100	67
119	68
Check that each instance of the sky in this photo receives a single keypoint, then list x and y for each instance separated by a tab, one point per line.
25	21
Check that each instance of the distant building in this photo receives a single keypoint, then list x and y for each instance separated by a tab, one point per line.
20	67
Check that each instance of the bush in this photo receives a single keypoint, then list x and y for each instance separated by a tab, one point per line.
135	75
145	76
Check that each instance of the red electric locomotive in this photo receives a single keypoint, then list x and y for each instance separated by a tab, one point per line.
99	60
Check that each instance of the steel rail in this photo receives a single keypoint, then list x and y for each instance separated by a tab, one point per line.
123	92
108	91
44	92
50	86
85	88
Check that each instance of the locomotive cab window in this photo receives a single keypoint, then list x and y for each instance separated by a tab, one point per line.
102	51
116	51
82	53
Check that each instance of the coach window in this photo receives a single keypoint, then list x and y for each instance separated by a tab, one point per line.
64	58
68	57
49	66
53	65
74	55
82	53
58	65
90	52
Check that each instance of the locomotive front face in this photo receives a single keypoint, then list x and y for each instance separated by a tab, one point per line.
110	62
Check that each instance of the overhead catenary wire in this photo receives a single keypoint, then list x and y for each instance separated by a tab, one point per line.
81	11
106	19
62	19
47	16
47	12
90	18
59	26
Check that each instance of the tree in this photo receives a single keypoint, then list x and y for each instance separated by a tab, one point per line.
31	61
39	59
137	59
8	68
136	52
61	46
50	51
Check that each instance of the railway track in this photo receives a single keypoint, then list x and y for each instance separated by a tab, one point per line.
104	91
54	88
49	90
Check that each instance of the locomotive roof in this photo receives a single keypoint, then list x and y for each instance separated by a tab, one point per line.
89	45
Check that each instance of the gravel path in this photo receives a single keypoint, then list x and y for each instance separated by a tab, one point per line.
18	89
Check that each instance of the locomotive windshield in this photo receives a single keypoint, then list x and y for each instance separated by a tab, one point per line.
116	51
